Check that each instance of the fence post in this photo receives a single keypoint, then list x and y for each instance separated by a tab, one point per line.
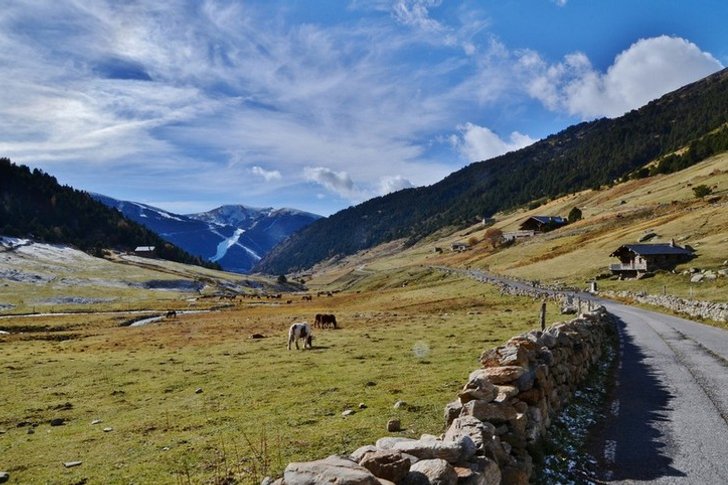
543	315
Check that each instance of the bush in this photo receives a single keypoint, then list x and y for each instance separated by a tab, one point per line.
702	191
574	215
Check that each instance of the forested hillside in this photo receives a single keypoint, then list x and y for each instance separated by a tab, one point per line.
33	204
586	155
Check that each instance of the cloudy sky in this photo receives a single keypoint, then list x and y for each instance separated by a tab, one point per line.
318	105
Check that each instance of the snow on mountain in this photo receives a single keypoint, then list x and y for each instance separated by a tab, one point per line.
235	236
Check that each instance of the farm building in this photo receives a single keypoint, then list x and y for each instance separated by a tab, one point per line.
459	247
543	223
637	259
146	251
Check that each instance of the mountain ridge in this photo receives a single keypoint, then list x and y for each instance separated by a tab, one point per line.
586	155
234	235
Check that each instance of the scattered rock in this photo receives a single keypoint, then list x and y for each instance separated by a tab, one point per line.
4	477
697	278
96	421
400	405
58	421
71	464
362	405
348	412
334	469
394	425
257	336
370	384
435	472
388	464
31	431
108	430
198	390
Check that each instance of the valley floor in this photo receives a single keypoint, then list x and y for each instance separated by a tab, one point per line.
194	398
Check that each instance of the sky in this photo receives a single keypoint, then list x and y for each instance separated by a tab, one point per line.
320	105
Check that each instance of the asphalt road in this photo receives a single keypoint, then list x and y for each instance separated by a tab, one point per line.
667	420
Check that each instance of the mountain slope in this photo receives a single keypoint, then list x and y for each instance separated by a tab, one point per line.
234	236
33	204
582	156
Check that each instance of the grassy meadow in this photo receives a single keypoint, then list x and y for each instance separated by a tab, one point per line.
195	400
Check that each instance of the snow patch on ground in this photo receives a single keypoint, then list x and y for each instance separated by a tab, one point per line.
74	300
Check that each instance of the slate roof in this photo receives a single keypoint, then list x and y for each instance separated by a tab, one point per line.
653	249
550	219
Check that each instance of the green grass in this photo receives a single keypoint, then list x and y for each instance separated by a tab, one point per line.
415	343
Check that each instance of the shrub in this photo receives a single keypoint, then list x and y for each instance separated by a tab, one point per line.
574	215
702	191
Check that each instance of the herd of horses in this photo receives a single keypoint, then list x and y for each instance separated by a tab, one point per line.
299	330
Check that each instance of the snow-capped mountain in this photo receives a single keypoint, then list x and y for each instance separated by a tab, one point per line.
235	236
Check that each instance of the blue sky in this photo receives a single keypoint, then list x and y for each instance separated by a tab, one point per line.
318	105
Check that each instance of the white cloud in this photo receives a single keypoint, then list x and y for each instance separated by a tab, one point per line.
560	3
477	143
645	71
416	13
268	175
394	183
337	182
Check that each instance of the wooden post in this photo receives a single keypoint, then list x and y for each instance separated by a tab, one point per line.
579	310
543	315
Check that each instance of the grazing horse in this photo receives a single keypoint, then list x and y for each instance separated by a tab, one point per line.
325	320
298	331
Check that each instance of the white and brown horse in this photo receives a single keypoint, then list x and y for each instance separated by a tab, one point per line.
300	331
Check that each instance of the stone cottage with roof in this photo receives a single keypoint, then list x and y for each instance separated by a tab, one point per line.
638	259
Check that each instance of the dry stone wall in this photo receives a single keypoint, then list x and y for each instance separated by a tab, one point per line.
504	408
694	308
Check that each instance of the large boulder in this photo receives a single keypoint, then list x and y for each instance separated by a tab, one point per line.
388	464
334	470
431	472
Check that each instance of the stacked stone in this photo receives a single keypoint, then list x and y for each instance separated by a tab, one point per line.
717	311
524	383
503	408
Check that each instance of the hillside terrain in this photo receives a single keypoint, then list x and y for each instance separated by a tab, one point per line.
37	277
34	205
234	236
664	205
587	155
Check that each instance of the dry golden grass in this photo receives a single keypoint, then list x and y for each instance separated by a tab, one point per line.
409	333
579	252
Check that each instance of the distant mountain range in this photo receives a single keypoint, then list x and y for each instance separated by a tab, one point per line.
677	130
234	236
34	205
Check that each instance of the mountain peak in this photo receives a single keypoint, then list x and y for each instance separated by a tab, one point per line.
236	236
